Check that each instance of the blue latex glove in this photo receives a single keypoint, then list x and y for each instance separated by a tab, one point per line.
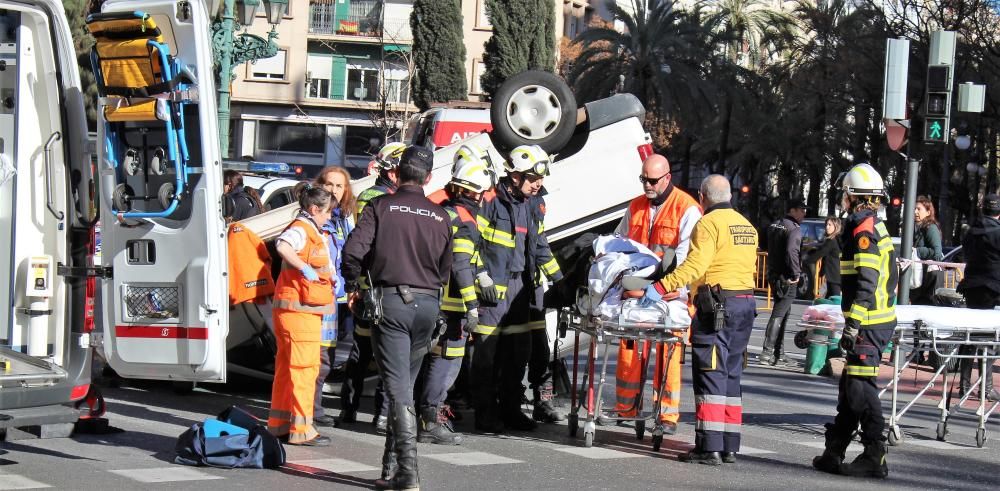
309	273
650	297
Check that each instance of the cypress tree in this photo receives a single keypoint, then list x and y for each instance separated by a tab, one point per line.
438	52
76	13
523	39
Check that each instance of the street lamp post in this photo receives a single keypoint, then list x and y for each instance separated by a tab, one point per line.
231	50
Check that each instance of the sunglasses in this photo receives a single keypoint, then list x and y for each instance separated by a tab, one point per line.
652	181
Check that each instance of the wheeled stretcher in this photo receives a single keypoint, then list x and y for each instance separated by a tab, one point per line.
143	93
942	331
604	335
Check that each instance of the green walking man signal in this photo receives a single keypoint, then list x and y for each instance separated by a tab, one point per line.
935	130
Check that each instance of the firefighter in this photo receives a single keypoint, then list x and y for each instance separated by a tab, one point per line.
471	177
303	294
514	252
387	163
868	271
405	242
720	268
661	219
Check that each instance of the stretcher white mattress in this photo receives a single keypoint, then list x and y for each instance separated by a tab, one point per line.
948	317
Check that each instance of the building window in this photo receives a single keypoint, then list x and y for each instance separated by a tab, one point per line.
482	19
319	70
275	136
397	84
360	143
362	83
272	68
478	69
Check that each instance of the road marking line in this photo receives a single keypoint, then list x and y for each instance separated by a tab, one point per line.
471	458
13	481
165	474
745	450
337	466
853	447
940	445
599	453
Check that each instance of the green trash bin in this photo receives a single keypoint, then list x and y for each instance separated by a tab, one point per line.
821	341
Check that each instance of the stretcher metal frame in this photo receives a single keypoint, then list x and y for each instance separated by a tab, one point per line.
945	342
604	332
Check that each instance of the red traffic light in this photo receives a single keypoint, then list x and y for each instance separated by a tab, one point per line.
745	189
896	201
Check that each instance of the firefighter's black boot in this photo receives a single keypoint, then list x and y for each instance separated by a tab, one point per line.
389	457
834	454
435	427
543	411
404	431
871	462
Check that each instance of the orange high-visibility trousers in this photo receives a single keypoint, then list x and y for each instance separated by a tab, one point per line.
629	382
296	367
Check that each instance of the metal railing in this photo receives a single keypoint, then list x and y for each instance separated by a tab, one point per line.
362	20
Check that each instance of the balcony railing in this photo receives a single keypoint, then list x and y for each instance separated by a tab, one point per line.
363	19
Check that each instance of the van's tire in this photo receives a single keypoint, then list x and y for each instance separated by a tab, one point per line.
533	108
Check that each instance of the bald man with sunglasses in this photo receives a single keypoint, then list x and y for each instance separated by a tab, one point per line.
662	219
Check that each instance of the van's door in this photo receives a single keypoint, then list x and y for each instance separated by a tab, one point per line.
45	203
166	304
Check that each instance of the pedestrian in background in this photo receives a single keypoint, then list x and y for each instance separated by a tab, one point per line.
719	270
927	244
405	240
829	251
981	284
337	182
241	202
302	296
784	268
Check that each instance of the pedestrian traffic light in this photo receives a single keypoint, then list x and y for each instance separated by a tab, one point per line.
936	130
938	108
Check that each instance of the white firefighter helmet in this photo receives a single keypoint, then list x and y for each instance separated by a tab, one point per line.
863	180
529	159
388	157
472	169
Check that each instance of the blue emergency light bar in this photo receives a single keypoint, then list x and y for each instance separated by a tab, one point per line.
269	167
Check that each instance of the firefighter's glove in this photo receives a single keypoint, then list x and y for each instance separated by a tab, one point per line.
650	297
309	273
488	290
849	338
471	320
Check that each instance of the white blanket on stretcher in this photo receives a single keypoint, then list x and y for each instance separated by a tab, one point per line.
615	256
930	316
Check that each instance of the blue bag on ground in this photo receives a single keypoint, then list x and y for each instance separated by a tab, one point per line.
256	449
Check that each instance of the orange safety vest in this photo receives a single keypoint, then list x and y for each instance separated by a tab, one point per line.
666	225
249	266
293	291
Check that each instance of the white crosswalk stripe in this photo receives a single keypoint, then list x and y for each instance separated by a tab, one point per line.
598	453
165	474
471	458
338	466
745	450
14	481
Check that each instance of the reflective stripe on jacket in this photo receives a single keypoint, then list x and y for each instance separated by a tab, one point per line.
293	291
868	272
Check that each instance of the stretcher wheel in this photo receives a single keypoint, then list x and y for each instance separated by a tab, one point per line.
657	441
640	429
574	424
942	431
166	194
158	164
588	439
895	436
122	197
801	339
132	162
981	437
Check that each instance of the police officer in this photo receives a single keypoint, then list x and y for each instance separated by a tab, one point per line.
404	241
784	241
471	177
386	163
720	268
868	271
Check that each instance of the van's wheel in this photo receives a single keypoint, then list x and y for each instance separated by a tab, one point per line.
533	108
184	388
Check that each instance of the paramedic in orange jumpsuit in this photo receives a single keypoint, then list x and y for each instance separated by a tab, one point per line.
303	294
661	219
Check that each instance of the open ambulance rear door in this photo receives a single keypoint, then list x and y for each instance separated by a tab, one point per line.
166	303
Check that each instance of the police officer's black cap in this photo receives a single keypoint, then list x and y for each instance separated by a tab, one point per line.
418	157
991	205
797	203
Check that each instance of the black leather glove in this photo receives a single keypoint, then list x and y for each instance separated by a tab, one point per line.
471	320
850	336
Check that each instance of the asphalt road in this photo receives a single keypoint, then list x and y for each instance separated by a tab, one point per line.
784	412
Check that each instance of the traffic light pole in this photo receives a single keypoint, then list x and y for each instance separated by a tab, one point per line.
906	252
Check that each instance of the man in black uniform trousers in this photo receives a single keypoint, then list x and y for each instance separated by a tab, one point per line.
404	241
784	240
868	271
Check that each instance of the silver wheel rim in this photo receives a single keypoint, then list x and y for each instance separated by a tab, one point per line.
534	112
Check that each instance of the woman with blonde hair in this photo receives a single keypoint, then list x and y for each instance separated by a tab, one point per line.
337	182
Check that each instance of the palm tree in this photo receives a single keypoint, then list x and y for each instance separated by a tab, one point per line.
658	57
750	29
